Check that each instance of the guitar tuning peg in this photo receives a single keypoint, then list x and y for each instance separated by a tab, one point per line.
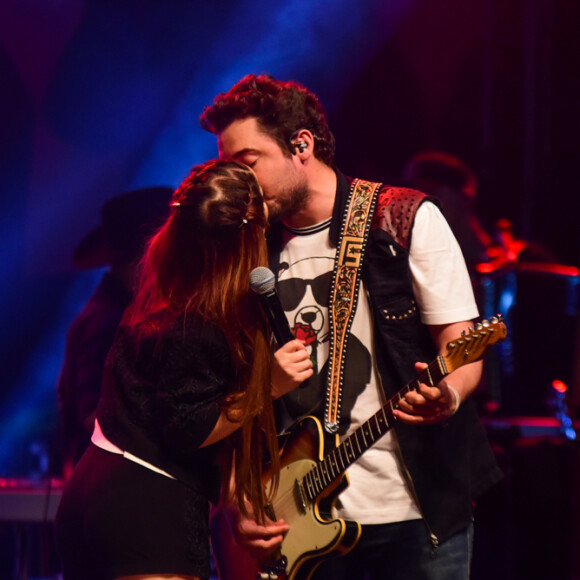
471	329
478	326
463	333
485	323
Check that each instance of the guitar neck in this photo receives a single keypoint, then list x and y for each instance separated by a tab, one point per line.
345	454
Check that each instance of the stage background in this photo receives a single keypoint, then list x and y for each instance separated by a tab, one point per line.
99	97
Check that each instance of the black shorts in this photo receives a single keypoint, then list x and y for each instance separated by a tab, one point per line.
117	518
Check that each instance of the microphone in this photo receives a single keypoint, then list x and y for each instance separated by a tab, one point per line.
262	282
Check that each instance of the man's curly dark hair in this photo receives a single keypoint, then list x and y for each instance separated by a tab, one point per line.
280	108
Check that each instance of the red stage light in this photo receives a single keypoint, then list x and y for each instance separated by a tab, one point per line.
559	386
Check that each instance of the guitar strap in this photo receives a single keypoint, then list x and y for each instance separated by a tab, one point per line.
345	288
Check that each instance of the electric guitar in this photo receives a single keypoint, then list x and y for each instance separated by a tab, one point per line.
311	478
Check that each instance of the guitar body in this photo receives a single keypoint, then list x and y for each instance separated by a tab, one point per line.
314	535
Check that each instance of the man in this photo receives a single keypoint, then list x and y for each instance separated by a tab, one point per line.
412	491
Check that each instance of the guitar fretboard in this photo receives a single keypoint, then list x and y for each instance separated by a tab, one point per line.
345	454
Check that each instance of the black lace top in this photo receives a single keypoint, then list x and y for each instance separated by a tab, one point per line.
161	398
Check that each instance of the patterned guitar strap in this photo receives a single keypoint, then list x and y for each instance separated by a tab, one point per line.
345	289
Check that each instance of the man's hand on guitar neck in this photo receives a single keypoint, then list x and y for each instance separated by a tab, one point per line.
433	404
428	405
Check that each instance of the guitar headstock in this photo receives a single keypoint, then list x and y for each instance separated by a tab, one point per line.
473	345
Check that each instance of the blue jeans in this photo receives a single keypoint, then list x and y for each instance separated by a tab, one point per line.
402	551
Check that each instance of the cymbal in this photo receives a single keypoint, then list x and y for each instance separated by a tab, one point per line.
521	266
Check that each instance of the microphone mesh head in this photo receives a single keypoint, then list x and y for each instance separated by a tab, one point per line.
262	280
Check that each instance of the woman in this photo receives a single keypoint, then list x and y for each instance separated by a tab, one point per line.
190	366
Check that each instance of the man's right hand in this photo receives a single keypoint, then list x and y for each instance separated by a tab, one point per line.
261	541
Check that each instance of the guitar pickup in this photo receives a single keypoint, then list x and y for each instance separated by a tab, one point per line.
269	510
300	496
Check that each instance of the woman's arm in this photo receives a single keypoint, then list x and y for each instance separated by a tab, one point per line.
291	366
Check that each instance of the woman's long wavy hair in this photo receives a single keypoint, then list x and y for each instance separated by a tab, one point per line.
199	262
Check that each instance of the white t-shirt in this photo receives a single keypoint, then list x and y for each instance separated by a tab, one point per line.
377	492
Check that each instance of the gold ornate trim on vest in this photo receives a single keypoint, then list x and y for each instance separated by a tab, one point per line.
345	288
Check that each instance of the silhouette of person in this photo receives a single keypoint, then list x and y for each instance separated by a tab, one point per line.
126	221
454	184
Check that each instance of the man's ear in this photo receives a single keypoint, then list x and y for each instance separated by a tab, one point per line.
302	142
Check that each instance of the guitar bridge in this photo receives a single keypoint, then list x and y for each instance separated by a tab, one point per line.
300	496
